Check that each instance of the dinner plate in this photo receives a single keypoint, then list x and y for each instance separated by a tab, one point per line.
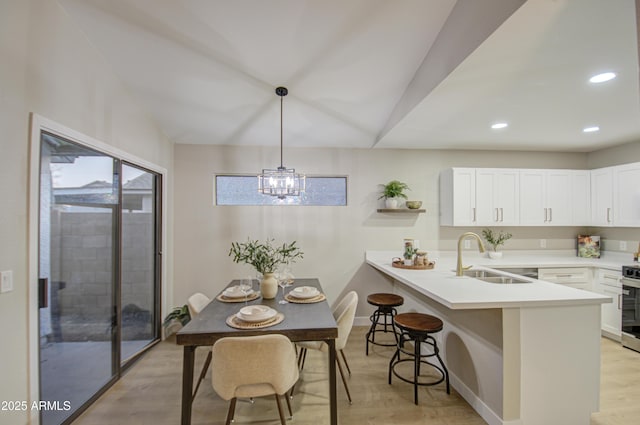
304	292
235	292
256	313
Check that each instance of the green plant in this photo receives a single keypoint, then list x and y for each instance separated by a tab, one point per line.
394	189
264	256
180	314
409	252
495	239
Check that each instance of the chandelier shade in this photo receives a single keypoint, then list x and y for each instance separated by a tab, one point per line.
282	181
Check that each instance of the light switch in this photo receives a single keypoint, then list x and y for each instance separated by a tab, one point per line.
6	281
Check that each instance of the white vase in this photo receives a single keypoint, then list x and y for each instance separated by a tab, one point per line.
391	203
269	286
408	262
495	254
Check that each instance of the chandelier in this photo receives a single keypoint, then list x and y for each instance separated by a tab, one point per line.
281	182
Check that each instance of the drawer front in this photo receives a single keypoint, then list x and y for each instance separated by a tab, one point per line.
573	275
610	278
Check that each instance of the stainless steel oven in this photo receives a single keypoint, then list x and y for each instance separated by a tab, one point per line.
631	307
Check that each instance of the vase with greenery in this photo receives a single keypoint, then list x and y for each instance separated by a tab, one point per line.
265	257
495	239
392	191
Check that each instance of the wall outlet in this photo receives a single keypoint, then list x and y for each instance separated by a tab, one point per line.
467	244
6	281
623	245
543	243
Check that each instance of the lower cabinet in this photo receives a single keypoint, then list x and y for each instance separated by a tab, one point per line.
576	277
608	283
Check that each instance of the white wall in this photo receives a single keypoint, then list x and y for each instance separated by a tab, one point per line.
334	239
48	67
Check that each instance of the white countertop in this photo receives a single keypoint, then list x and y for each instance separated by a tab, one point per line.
441	284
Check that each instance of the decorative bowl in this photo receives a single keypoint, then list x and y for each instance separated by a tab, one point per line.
256	313
304	292
414	205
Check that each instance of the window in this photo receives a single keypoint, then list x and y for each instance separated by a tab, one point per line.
243	190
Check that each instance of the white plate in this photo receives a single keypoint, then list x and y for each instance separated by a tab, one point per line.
235	292
256	313
304	292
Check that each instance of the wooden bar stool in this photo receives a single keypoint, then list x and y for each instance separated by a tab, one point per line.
386	304
418	327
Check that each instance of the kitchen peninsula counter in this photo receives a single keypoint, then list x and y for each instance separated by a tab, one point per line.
523	354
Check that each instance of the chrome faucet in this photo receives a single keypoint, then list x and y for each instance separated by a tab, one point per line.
460	268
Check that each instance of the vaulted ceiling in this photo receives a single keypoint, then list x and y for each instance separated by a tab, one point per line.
376	73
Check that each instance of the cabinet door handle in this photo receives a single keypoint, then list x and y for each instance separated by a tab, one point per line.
497	214
501	214
608	215
550	215
619	298
474	213
545	214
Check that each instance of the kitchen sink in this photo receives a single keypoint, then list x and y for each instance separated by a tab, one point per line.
492	277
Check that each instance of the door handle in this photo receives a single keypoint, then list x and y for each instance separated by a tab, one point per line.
497	214
608	215
501	214
550	215
619	300
545	214
43	292
474	213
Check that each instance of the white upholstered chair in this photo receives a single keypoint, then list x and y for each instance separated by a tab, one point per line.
254	366
196	303
344	312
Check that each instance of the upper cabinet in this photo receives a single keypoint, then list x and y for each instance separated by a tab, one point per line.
497	197
479	197
554	198
540	197
458	197
602	197
626	195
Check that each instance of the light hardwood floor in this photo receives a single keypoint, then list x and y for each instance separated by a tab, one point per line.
149	393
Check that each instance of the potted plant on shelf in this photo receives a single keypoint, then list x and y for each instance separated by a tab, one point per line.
392	191
495	240
265	258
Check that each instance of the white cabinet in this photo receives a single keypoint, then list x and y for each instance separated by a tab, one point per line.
576	277
458	197
554	197
602	197
615	196
626	195
497	197
608	283
581	198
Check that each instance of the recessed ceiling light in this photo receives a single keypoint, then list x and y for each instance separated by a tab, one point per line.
601	78
499	125
591	129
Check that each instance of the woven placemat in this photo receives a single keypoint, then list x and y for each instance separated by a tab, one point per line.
251	297
316	299
237	323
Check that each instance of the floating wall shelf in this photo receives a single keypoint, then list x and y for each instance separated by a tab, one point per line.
401	210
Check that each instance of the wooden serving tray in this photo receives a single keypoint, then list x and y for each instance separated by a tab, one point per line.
400	265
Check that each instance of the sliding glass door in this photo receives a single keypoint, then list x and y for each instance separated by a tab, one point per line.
99	272
140	259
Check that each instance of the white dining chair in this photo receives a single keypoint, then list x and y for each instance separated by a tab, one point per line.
196	303
254	366
344	313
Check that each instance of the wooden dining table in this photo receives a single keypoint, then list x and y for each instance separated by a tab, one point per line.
302	322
